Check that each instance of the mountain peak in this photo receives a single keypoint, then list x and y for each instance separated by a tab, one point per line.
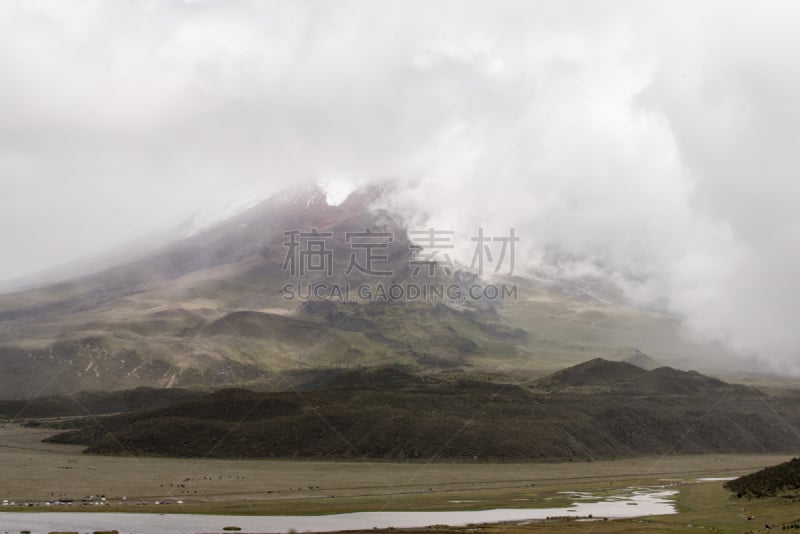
624	376
364	197
640	359
596	372
301	196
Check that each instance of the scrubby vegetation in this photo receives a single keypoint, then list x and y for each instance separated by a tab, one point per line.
391	414
782	479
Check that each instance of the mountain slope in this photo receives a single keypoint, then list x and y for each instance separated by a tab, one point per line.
95	403
209	310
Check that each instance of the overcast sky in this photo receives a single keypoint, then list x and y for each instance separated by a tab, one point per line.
655	141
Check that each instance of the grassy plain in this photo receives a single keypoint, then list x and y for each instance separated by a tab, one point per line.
35	471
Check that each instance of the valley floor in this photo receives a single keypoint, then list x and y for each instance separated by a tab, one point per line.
36	472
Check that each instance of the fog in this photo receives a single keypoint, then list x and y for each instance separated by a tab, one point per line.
650	142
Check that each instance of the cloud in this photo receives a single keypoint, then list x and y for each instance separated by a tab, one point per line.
653	141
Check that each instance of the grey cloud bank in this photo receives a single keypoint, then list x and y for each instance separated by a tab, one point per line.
653	142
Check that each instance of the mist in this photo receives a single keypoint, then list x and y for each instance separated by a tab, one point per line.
652	143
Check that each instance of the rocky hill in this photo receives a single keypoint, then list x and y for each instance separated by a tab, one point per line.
599	375
393	414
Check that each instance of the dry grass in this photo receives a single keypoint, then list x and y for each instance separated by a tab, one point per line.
36	471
